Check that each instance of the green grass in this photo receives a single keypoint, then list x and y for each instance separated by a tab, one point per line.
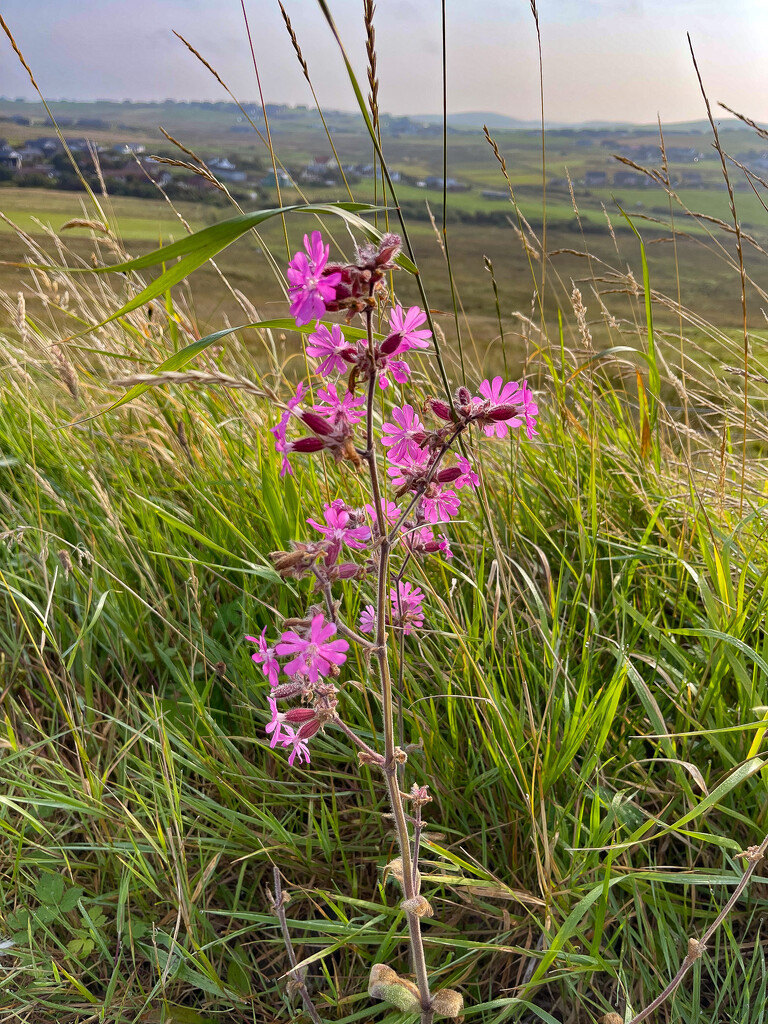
587	702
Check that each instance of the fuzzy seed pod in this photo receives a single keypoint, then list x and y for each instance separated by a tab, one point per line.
447	1003
419	906
387	985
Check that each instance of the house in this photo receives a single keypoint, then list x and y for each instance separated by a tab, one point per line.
320	168
629	179
10	158
129	147
594	179
225	169
283	180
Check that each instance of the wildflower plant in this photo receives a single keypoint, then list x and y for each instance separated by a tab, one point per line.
416	477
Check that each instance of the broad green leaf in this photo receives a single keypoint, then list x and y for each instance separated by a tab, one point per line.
50	889
196	249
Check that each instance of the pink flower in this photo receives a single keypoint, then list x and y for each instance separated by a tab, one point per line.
407	609
265	656
441	506
280	431
402	329
281	733
341	527
469	477
389	508
497	395
348	410
300	750
367	621
308	289
314	654
530	411
411	465
329	346
404	434
397	369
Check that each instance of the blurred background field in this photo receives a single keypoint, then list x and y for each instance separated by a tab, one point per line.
589	700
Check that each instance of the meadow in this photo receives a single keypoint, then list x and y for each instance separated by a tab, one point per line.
587	700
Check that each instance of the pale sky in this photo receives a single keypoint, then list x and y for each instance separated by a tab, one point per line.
621	60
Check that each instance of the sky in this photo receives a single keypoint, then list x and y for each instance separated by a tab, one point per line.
611	60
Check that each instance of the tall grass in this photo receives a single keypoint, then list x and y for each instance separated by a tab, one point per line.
589	698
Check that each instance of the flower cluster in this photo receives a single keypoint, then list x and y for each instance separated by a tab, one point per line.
314	655
425	474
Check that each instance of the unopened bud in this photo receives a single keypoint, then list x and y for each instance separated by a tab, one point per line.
447	1003
503	412
306	444
440	409
287	690
463	396
299	715
447	476
349	570
391	344
387	985
419	906
317	423
308	730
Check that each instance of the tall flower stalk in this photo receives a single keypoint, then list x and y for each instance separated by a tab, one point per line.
418	493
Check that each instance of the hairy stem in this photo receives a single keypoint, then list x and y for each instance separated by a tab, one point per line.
696	947
278	905
389	767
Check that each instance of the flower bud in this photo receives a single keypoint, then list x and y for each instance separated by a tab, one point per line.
503	412
287	690
447	476
308	730
350	570
440	409
463	396
300	715
391	344
307	444
317	423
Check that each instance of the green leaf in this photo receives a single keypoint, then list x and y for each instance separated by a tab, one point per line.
70	899
185	355
196	249
50	889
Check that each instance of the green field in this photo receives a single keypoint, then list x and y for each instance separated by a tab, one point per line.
586	698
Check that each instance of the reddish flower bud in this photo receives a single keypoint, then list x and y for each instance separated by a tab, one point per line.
447	476
438	408
504	412
317	423
287	690
463	397
391	344
349	570
307	444
300	715
308	730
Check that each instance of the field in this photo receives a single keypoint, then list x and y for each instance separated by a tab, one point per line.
586	699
